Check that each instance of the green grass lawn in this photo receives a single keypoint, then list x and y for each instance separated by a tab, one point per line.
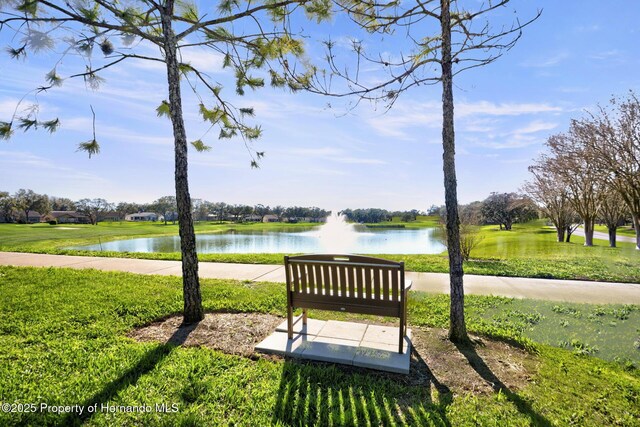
422	221
529	250
63	342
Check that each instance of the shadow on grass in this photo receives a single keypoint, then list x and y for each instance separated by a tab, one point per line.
478	365
130	377
314	393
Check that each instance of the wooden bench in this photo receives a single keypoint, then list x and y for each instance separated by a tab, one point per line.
349	283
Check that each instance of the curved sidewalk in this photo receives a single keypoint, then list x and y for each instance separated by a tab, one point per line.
515	287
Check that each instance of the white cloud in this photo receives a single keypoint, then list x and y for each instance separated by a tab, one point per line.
359	161
327	172
334	155
607	55
465	109
573	89
109	132
405	116
587	28
203	59
536	126
471	117
516	138
7	107
54	172
545	62
317	152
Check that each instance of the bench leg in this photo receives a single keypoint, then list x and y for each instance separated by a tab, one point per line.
401	333
289	322
304	317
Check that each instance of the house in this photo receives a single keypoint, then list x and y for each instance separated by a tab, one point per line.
144	216
270	218
32	216
65	217
109	216
253	218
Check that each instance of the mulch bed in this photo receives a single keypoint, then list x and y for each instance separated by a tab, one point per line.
484	367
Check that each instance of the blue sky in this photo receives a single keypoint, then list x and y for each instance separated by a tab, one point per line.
575	56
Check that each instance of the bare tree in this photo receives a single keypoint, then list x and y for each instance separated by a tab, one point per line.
612	213
552	199
572	164
615	148
234	29
464	40
470	236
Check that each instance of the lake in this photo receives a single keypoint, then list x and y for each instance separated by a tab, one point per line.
330	238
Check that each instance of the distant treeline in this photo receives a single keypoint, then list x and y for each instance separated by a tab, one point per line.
375	215
29	206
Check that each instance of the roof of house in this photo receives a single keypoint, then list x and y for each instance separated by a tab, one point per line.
143	214
72	214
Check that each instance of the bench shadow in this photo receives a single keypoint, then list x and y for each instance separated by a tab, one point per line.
318	393
131	376
478	364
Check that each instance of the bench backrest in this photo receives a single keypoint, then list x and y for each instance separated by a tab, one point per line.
346	277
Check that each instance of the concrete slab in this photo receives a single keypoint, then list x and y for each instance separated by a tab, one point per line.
383	357
278	343
343	330
379	355
312	328
383	334
334	350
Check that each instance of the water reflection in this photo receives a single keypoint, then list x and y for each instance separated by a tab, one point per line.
360	240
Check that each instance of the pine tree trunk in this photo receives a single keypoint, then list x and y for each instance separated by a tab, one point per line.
457	327
588	231
193	311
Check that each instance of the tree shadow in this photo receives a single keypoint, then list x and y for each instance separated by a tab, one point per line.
478	364
317	393
130	377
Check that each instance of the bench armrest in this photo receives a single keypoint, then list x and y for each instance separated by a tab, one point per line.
407	284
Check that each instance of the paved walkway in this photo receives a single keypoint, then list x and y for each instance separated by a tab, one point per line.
515	287
605	236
